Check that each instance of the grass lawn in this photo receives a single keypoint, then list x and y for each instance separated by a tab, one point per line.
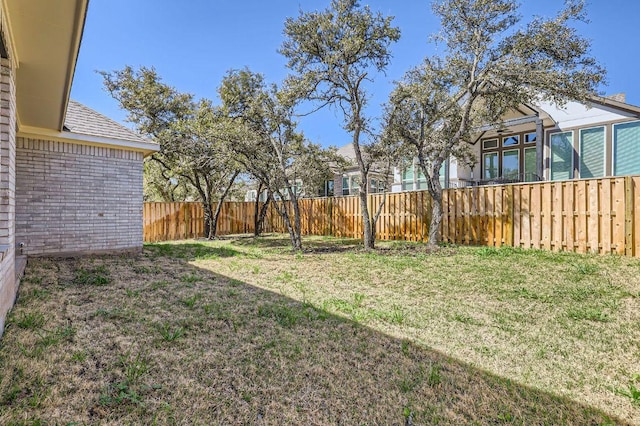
241	331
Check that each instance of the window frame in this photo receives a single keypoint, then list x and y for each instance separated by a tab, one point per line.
502	155
517	144
604	151
614	144
348	187
573	155
497	168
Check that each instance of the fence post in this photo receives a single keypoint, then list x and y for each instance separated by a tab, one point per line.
628	216
508	212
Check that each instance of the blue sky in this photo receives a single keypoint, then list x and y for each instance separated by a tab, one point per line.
193	43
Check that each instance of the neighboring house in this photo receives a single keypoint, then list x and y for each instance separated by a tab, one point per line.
547	142
348	180
70	178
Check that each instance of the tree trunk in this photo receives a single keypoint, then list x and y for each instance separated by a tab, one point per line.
208	218
436	214
216	215
261	214
294	234
369	236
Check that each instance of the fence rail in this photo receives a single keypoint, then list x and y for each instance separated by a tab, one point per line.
594	215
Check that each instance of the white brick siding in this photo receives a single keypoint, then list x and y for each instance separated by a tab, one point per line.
75	198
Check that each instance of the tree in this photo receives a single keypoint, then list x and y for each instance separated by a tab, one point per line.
270	149
333	54
160	184
193	138
492	65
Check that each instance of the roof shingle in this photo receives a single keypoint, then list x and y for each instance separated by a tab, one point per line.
83	120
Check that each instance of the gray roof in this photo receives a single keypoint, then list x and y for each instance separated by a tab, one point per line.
83	120
347	152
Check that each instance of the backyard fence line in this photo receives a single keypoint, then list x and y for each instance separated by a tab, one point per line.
592	215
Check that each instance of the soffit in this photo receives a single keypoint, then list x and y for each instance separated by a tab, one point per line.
46	36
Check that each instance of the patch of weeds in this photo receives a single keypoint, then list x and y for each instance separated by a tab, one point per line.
465	319
141	269
11	395
589	314
117	314
79	356
62	333
203	252
632	391
285	277
358	298
156	285
190	302
585	268
169	333
283	314
35	293
504	251
132	293
30	321
404	347
96	276
434	377
190	279
119	393
413	380
235	283
397	315
134	367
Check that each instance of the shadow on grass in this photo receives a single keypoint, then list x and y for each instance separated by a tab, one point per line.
217	350
191	251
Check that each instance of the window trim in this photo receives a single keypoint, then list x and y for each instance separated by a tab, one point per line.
613	144
604	151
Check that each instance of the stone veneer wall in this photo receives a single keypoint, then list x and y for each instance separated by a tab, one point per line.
75	198
8	282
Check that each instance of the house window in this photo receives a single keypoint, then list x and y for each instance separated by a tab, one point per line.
327	190
490	144
355	186
592	153
376	186
490	161
345	185
530	137
530	168
626	148
511	164
421	180
407	178
511	140
562	156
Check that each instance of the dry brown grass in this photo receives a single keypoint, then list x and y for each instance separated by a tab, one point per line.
244	332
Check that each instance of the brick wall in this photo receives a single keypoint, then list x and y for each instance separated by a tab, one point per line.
8	283
75	198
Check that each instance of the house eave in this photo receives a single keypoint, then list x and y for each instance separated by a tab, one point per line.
44	41
147	148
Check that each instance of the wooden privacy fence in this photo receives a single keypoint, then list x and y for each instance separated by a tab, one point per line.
594	215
